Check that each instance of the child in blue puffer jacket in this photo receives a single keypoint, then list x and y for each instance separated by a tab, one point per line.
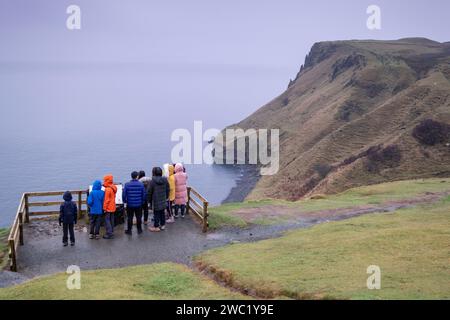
95	203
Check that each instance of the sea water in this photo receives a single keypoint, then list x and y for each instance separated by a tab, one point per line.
65	125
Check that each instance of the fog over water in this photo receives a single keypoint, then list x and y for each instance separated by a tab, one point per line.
76	105
74	124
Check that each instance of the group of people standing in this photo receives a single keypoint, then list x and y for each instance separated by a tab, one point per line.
166	196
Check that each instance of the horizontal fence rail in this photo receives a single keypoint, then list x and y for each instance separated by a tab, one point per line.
79	197
196	203
16	236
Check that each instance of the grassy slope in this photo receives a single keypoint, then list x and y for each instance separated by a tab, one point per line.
3	246
411	247
226	215
155	281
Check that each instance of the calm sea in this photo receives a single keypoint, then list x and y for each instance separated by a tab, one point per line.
64	125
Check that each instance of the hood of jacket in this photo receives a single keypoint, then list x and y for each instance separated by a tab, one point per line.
171	170
97	185
108	181
178	168
145	180
159	180
67	196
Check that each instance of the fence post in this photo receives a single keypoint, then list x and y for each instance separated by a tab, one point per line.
188	199
80	215
12	256
27	211
205	216
21	228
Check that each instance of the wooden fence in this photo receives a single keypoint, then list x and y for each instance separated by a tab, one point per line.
16	234
196	203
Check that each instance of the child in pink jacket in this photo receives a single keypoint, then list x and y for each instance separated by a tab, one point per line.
180	190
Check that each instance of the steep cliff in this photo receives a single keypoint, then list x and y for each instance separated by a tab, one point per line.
348	118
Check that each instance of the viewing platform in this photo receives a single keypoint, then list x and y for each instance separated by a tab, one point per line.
34	206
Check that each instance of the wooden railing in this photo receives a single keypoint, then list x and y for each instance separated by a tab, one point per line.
198	204
16	236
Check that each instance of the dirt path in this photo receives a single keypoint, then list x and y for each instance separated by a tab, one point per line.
43	253
291	213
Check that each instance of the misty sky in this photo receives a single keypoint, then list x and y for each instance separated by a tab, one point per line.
77	104
219	59
252	32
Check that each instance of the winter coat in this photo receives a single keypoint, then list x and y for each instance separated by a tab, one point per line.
180	185
109	204
158	193
134	194
171	180
146	181
68	210
95	198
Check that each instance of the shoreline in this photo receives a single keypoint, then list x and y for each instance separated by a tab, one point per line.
249	176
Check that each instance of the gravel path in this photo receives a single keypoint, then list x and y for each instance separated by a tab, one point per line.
178	243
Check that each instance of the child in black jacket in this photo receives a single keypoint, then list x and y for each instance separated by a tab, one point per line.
158	194
68	218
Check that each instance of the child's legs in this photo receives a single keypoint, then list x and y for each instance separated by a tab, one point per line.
176	207
183	209
97	222
157	217
130	214
166	211
138	212
71	232
108	225
65	232
162	219
145	209
92	224
113	220
169	208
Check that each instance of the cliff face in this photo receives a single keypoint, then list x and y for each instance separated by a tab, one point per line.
349	116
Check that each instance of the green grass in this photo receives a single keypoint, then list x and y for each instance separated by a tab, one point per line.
411	246
221	216
155	281
226	215
3	246
376	194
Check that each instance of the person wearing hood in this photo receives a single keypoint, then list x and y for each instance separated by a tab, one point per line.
134	196
95	203
109	205
170	203
68	218
180	189
146	181
158	194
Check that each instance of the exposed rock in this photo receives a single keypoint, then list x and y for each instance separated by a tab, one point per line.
353	61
